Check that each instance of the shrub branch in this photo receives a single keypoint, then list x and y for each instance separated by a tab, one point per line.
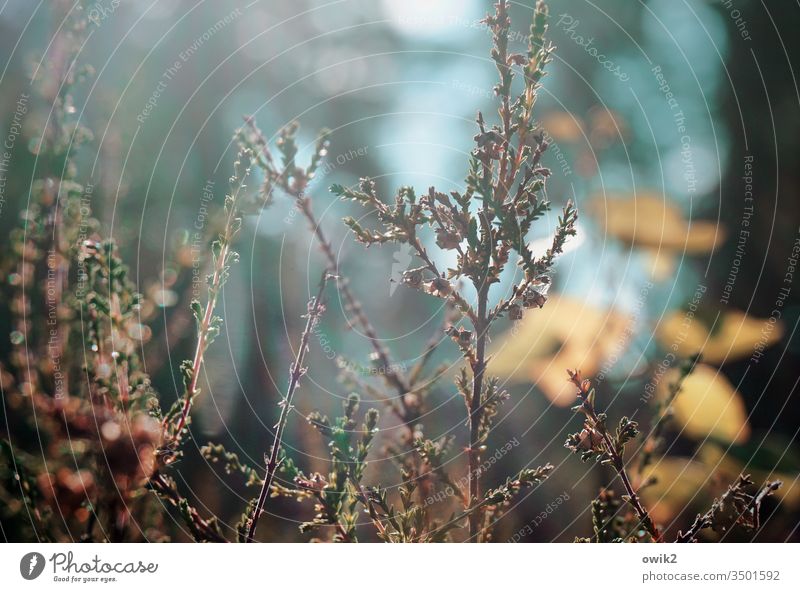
315	310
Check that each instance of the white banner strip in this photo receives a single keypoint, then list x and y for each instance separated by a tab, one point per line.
387	568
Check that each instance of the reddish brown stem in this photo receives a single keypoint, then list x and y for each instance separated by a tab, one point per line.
616	458
215	285
315	309
352	303
476	410
197	360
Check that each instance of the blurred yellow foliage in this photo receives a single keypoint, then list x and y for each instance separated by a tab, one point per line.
564	127
653	221
678	481
733	337
708	405
606	126
566	333
682	482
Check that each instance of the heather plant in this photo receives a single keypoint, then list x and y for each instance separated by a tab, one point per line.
111	448
75	376
738	507
485	225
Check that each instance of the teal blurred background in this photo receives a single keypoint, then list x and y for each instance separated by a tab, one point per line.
399	83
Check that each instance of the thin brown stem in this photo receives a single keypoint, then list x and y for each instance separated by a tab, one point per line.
455	296
476	409
303	203
315	310
352	303
164	487
468	513
218	276
200	348
615	457
633	497
363	497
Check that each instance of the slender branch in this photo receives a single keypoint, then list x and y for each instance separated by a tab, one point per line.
633	497
218	277
303	203
352	303
468	513
501	495
315	309
734	493
665	413
613	454
476	408
394	378
200	527
365	500
454	295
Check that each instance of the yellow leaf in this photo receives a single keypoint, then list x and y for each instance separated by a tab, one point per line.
651	220
683	482
733	338
708	405
563	126
678	481
566	333
715	458
606	126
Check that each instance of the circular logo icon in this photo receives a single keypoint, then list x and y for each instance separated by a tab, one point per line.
31	565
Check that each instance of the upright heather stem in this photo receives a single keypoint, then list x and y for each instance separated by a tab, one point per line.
476	409
615	456
298	192
315	309
641	512
510	183
202	339
295	185
221	263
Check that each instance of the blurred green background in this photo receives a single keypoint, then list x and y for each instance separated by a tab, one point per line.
399	83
